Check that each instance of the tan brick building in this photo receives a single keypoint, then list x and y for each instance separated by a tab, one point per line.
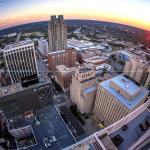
83	89
139	70
63	76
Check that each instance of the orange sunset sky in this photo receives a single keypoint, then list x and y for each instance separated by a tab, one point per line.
129	12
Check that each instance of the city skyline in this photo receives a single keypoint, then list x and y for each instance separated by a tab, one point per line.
134	13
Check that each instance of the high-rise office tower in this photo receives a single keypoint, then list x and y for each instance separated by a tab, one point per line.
57	32
20	60
138	69
116	98
83	89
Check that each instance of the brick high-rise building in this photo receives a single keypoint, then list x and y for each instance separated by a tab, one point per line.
57	32
65	57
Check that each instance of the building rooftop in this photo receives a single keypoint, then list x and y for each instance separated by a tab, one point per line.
90	89
42	41
126	84
131	88
84	69
131	132
103	66
46	124
57	52
65	70
78	45
95	60
25	99
18	44
126	53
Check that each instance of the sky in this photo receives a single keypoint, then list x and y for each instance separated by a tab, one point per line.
129	12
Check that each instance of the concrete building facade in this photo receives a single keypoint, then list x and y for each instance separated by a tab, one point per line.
65	57
116	98
147	82
43	47
20	60
83	89
57	32
138	69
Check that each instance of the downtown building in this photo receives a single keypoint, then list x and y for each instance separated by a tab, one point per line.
116	98
43	47
7	140
57	32
63	76
16	138
139	70
83	89
20	60
64	57
130	133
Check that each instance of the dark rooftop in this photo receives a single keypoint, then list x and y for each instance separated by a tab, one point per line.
135	129
32	98
85	69
46	124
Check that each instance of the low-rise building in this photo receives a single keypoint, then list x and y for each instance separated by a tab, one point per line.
43	47
63	76
64	57
125	55
79	45
96	60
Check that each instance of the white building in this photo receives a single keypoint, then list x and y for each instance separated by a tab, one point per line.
20	60
116	98
43	47
79	45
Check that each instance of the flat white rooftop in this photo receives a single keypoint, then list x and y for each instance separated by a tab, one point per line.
78	45
126	84
56	52
18	44
129	87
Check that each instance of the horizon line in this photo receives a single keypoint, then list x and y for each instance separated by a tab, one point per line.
78	19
